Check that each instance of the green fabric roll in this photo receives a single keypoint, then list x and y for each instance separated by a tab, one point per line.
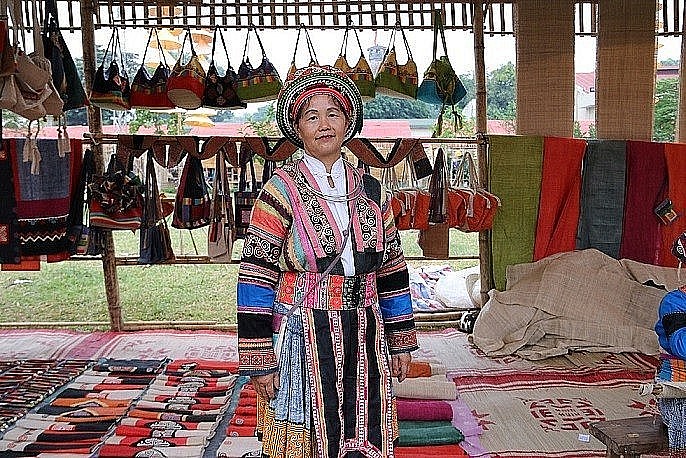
515	176
417	433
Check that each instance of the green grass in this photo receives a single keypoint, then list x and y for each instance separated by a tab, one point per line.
75	290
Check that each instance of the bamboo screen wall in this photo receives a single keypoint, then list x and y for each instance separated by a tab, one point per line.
545	67
625	69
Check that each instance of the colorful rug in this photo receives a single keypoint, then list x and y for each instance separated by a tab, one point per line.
39	344
552	421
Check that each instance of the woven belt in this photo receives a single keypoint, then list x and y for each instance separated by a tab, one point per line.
331	292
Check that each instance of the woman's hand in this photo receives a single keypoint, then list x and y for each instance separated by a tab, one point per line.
400	364
266	385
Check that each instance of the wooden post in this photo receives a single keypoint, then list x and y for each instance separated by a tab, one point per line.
485	268
109	266
681	117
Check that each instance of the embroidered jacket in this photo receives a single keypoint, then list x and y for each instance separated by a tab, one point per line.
292	230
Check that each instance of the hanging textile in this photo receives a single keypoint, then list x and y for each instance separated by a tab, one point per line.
43	200
646	181
9	238
515	171
675	156
558	209
602	197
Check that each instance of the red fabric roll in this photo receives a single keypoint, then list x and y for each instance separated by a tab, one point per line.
646	180
675	156
244	431
238	420
559	204
424	410
454	451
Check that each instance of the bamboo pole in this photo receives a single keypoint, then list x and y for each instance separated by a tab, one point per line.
95	125
681	117
485	267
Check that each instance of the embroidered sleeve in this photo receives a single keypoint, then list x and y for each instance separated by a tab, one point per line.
394	290
258	276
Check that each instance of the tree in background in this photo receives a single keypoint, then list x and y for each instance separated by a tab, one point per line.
384	107
470	86
666	103
163	123
501	90
263	122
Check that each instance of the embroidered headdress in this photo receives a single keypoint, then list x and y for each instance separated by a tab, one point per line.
315	80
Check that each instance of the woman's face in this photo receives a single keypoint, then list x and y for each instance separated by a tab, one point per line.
321	125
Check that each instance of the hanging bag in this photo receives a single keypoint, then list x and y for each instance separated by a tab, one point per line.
186	83
221	233
155	241
65	76
111	89
150	92
259	84
77	222
220	91
480	205
361	73
438	190
394	80
192	207
116	198
440	85
310	49
245	196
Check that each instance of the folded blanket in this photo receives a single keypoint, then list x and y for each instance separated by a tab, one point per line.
515	176
425	369
453	451
558	210
582	300
416	433
672	369
602	197
675	156
436	387
415	409
646	177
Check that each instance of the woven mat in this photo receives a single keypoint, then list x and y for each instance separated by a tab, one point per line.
39	344
162	344
550	421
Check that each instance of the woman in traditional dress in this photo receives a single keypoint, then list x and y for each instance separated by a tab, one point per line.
323	267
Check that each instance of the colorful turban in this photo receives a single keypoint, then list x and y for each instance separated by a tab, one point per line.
315	80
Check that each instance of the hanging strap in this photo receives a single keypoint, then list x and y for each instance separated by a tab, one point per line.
159	47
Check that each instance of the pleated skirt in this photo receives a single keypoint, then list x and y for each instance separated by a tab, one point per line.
335	397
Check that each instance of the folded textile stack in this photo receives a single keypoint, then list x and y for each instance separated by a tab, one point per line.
670	390
178	413
425	413
241	440
74	422
23	384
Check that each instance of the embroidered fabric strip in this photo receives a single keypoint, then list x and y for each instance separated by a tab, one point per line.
314	413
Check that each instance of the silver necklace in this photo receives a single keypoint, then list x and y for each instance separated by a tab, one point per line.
352	195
